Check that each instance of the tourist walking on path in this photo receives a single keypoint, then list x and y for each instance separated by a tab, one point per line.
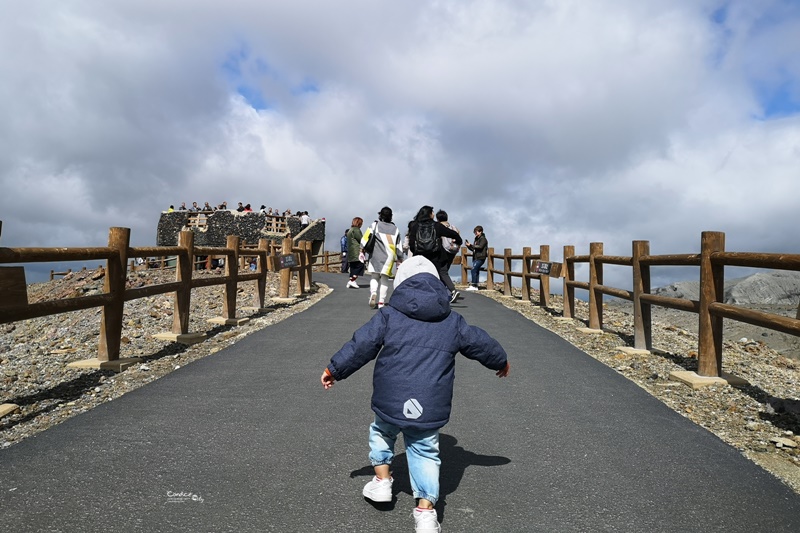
425	239
384	258
354	252
345	264
451	250
479	254
418	337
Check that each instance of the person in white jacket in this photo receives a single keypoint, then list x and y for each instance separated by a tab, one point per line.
385	256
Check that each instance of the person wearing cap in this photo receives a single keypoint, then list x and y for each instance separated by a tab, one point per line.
383	260
417	335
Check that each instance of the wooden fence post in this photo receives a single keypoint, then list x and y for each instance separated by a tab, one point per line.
569	275
111	322
642	321
489	269
232	273
544	281
526	269
301	270
272	261
286	273
595	279
712	289
263	244
310	264
183	274
464	265
507	272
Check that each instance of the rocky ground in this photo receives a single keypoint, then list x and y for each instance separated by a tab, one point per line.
762	420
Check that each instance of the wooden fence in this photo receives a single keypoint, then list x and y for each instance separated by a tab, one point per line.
711	308
15	307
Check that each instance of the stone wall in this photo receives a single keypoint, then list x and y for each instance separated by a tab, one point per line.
250	227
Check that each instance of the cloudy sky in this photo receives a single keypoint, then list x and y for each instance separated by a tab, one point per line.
546	121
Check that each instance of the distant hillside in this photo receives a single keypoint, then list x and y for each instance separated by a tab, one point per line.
764	288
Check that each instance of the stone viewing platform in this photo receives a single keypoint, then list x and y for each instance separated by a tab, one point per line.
212	228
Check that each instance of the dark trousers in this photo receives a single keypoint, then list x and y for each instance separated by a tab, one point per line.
444	274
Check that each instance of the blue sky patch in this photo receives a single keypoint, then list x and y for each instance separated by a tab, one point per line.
243	72
779	101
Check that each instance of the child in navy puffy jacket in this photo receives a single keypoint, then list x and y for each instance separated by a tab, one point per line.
417	336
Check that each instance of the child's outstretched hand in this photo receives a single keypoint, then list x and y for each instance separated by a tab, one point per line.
327	379
503	372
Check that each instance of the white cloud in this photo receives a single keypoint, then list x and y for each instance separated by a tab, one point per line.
546	122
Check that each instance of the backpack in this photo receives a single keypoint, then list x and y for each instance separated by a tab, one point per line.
449	243
426	240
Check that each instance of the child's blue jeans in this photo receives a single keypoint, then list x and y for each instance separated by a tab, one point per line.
422	453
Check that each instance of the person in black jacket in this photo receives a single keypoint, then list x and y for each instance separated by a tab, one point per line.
418	337
479	254
440	258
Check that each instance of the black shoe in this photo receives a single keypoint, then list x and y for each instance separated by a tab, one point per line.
454	296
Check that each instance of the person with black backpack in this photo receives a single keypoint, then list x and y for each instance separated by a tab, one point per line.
451	250
425	239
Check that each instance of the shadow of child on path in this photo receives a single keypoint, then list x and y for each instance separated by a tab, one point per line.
455	460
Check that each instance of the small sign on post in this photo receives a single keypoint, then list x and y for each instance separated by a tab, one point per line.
547	268
287	261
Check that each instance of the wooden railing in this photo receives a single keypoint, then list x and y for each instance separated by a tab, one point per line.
526	273
710	309
15	307
273	223
328	261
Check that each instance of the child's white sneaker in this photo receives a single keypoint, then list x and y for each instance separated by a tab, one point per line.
373	300
379	490
425	521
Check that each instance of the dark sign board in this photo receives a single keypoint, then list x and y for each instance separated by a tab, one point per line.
547	268
287	261
542	267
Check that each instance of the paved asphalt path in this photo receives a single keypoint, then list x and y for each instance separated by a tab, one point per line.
247	440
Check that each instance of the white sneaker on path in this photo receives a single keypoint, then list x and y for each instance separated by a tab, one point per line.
425	521
378	490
